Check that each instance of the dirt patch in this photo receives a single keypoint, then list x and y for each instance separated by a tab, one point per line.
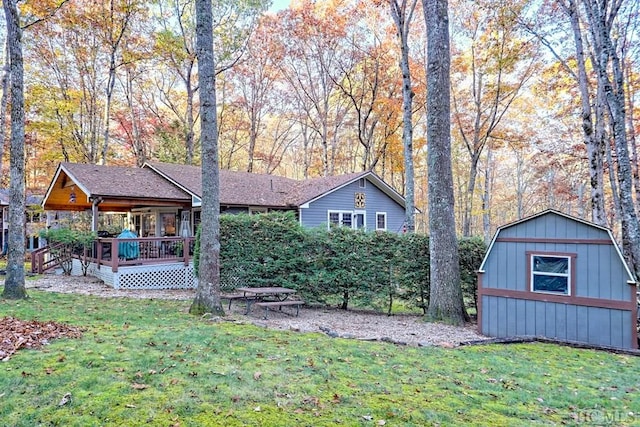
400	329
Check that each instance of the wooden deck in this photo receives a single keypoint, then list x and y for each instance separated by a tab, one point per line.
117	253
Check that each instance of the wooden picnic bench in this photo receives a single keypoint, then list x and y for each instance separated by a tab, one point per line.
253	295
237	296
272	304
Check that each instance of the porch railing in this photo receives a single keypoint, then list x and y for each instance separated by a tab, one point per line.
116	252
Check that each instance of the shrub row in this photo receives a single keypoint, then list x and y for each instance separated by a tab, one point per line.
339	266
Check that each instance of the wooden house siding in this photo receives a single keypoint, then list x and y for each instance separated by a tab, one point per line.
511	317
600	307
343	199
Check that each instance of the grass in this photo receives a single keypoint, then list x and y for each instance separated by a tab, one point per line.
149	362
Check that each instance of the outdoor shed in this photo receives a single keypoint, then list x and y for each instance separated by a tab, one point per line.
555	276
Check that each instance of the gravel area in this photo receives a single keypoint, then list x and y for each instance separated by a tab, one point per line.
399	329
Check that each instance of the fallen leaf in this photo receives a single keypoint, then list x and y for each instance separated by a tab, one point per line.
367	417
381	422
138	386
130	406
257	375
65	399
257	409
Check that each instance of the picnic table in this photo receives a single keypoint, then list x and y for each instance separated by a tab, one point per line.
269	297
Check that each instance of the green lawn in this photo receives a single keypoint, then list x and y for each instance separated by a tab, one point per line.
149	362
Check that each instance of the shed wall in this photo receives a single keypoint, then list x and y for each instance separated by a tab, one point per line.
601	309
509	317
598	273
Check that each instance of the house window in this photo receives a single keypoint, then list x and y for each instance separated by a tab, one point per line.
362	183
381	221
360	220
341	218
551	274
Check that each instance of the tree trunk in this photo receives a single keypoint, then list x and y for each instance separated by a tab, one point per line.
402	18
486	196
601	20
445	302
207	299
14	287
595	149
6	72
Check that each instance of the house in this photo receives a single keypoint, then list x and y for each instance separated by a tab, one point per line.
556	276
159	197
33	221
162	203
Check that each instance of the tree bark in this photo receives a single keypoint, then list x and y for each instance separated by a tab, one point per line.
595	148
402	18
445	302
207	299
601	17
4	100
14	287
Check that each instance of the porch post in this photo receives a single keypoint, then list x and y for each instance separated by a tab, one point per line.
95	201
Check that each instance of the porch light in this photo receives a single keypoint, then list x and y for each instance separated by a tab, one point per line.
72	195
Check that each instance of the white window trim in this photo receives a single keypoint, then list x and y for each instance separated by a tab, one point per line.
354	225
329	212
532	273
384	214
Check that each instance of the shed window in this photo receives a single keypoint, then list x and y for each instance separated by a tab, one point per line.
550	274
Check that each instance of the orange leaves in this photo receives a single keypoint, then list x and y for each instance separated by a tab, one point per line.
16	334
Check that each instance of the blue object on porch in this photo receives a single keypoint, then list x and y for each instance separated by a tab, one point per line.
128	250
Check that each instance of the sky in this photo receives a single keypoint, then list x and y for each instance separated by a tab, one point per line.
279	5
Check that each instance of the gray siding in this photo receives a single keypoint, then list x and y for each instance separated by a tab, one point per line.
508	317
599	272
552	226
343	200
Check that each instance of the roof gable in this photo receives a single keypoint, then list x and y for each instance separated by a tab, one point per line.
601	232
124	183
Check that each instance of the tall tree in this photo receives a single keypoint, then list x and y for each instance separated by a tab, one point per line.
118	14
207	299
602	19
402	14
576	65
14	287
4	100
492	73
445	302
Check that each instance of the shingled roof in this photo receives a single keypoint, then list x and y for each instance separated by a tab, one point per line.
121	181
123	187
118	188
244	188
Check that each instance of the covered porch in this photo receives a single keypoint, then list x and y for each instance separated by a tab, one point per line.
144	225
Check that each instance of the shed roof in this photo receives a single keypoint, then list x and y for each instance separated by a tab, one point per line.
538	215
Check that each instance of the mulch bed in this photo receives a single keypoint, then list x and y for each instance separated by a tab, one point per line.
16	334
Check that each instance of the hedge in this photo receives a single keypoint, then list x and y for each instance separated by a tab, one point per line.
373	270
